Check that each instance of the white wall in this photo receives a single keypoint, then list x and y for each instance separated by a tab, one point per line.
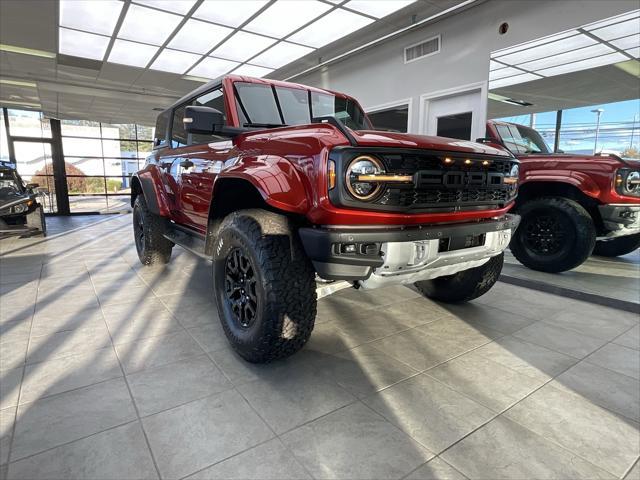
379	75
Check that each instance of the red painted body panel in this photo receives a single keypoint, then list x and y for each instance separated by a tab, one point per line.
594	175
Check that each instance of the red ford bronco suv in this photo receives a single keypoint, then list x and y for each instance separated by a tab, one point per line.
275	182
570	205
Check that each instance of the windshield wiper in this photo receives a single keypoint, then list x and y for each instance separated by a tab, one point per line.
265	125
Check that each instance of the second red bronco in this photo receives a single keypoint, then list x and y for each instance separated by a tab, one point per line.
275	182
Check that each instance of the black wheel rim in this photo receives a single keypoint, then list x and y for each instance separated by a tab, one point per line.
138	229
545	233
240	288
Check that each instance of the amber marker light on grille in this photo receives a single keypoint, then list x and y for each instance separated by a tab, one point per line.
332	174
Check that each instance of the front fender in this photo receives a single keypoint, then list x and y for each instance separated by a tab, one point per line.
579	180
274	177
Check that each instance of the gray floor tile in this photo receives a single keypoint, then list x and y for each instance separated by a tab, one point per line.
7	418
526	358
630	338
559	339
210	337
10	380
73	342
69	416
294	396
165	387
67	373
115	454
618	393
436	469
617	358
487	382
356	443
191	437
605	439
269	461
429	411
157	351
503	449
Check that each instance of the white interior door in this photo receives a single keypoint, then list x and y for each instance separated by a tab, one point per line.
455	116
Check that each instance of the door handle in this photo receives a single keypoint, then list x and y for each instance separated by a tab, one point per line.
186	164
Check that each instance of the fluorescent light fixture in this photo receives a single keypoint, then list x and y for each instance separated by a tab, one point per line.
211	67
26	51
504	72
89	15
229	12
631	41
242	46
377	8
17	83
583	64
611	20
618	30
176	6
174	61
193	79
283	17
543	51
199	37
330	28
147	25
281	54
252	71
568	57
534	43
503	82
22	104
632	67
81	44
131	53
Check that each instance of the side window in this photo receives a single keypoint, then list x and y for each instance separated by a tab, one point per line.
178	134
161	129
212	99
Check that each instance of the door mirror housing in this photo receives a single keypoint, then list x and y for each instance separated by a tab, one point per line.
203	120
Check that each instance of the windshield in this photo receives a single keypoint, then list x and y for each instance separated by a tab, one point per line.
521	139
266	106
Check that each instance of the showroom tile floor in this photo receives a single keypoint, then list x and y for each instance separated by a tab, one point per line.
112	370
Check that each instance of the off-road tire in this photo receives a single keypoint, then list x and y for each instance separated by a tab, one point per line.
463	286
617	246
283	285
575	241
153	248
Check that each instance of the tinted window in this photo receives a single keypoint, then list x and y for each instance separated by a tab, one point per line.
213	99
161	129
178	134
393	119
344	109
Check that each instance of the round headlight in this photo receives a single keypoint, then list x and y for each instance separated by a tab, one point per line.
363	165
631	183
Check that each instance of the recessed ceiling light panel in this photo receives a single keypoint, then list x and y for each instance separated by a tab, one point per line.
212	67
283	17
229	12
174	61
81	44
131	53
330	28
281	54
378	8
91	16
176	6
252	71
242	46
199	37
147	25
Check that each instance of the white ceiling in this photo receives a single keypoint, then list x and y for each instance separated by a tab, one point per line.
606	42
121	60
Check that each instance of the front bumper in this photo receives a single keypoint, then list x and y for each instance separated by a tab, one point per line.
375	257
620	219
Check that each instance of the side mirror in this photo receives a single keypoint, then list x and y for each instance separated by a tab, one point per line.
31	186
204	120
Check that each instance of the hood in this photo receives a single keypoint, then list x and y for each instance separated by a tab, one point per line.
376	138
